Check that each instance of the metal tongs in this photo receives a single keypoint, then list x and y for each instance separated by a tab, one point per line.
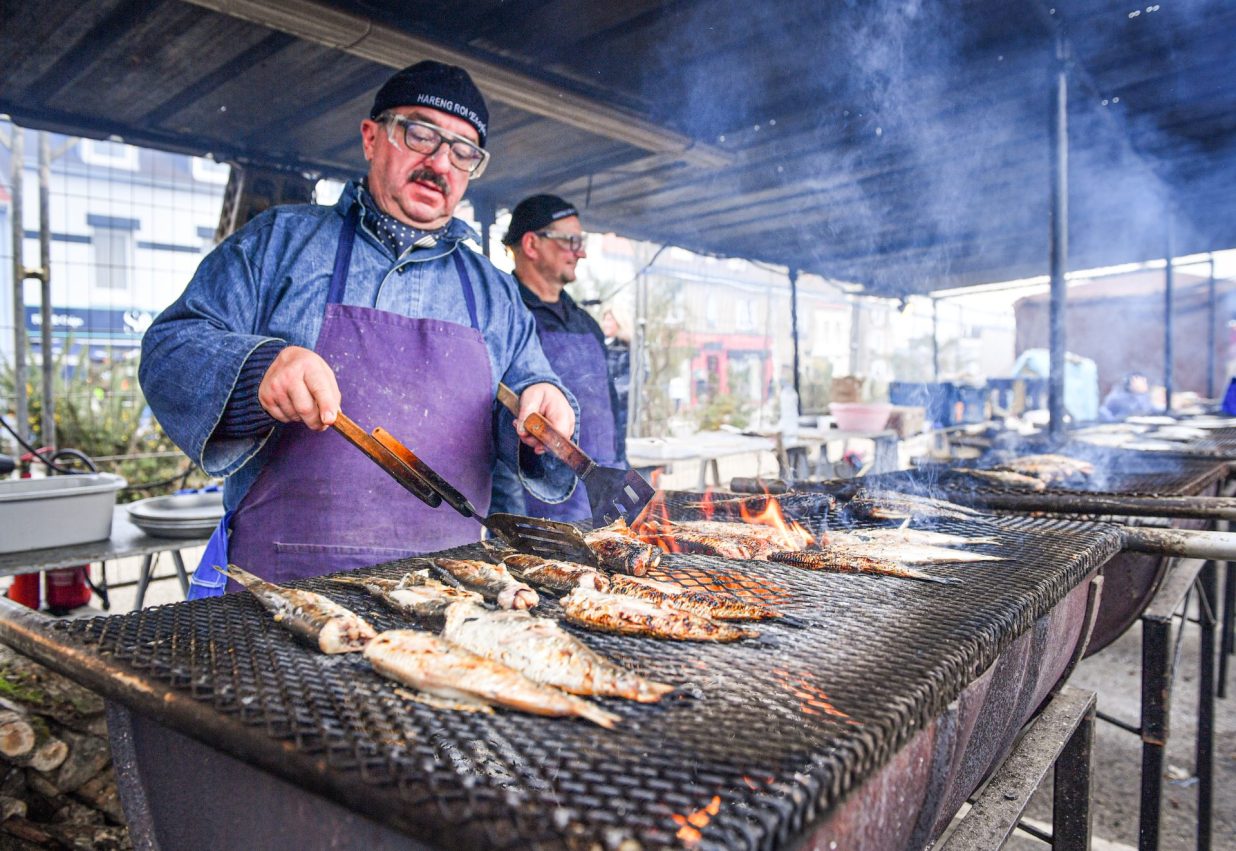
546	538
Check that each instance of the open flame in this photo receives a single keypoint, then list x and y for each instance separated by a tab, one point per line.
795	536
689	826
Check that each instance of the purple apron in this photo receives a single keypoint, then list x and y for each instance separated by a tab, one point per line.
579	360
320	505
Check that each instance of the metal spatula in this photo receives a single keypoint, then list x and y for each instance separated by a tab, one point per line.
547	538
611	493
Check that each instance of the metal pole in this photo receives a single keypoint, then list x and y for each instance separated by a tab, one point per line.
486	212
638	343
1059	140
48	437
19	287
935	340
1169	315
794	326
1211	311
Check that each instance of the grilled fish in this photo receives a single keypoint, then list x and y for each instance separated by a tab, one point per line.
697	602
415	594
493	581
619	549
730	540
903	551
433	665
318	621
555	575
1008	478
906	535
841	561
889	505
1049	468
632	616
545	653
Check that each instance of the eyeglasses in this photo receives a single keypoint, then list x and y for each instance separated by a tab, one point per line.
573	241
425	139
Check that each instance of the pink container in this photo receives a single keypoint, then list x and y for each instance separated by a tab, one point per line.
860	416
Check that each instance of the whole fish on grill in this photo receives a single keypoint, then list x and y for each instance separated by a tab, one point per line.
842	561
493	581
625	615
697	602
415	594
1006	477
900	548
1049	468
316	620
555	575
908	536
714	537
890	505
437	667
619	549
544	652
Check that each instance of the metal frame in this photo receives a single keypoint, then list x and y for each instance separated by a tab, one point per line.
1062	735
1160	658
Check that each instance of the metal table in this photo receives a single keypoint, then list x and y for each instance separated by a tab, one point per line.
126	540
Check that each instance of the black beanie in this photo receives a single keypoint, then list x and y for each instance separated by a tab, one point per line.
439	86
534	213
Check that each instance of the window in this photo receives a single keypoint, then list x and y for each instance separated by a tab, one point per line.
113	258
109	153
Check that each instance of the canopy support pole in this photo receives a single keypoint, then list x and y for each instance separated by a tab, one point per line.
1169	317
486	214
45	301
935	340
794	325
21	403
1211	311
1059	140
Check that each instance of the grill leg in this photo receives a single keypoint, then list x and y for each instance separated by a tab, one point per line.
1229	616
1205	757
1156	685
1070	827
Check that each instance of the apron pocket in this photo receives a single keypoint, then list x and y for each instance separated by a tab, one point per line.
300	560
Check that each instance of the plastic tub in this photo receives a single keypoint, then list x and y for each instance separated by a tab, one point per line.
860	416
58	511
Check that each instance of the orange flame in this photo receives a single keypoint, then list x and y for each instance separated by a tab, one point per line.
812	699
794	535
691	825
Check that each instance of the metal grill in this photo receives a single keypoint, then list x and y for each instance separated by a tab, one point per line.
759	739
1117	471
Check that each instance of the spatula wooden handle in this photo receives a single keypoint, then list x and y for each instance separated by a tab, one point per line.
562	447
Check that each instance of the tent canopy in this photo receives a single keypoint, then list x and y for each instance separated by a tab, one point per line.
902	145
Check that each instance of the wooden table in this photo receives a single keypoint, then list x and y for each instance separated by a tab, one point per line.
705	447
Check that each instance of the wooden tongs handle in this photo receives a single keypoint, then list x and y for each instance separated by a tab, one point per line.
562	447
388	461
445	489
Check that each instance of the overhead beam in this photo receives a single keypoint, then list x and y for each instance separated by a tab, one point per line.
362	37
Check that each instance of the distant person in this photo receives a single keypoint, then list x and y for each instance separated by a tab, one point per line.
618	356
546	240
1130	398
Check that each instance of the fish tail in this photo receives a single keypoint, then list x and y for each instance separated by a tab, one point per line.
595	714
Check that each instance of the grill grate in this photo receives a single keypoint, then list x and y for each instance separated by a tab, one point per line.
778	729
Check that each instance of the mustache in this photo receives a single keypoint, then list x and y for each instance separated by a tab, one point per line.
426	176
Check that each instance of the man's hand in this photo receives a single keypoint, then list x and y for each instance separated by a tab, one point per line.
300	387
548	401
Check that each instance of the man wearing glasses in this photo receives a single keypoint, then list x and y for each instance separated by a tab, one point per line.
374	305
547	241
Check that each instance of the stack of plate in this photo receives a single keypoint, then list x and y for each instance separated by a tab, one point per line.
182	515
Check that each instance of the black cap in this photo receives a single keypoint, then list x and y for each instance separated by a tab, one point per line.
534	213
439	86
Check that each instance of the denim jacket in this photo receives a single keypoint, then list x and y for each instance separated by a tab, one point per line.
269	280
